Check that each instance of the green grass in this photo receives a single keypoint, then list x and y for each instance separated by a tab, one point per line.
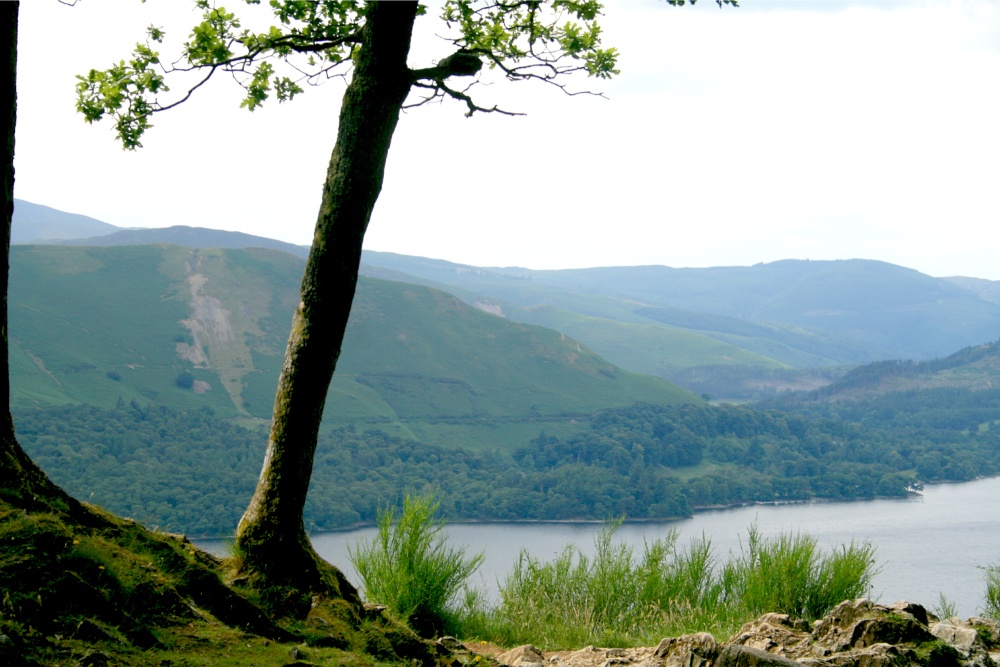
620	598
409	567
103	325
789	574
992	596
646	348
945	608
614	598
85	313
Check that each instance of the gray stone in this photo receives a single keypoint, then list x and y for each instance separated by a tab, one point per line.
914	610
989	628
522	656
774	633
963	638
735	655
694	650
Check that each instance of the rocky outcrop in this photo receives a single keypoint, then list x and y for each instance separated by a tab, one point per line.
857	633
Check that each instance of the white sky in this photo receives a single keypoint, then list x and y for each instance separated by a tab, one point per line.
782	129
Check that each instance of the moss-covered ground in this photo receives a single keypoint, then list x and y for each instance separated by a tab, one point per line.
86	588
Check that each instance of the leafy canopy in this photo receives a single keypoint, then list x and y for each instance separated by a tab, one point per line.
311	41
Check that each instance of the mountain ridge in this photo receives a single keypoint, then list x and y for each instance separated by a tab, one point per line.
731	332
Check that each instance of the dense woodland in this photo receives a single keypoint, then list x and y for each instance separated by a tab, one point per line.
192	472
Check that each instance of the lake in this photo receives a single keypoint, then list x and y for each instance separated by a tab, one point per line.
927	544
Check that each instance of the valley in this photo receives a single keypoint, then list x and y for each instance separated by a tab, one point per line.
136	366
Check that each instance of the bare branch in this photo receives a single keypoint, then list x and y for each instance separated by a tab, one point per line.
440	89
159	107
301	44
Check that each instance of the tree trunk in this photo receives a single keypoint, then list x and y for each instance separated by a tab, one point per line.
21	481
271	537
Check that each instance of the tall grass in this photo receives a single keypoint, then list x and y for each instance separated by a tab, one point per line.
411	570
620	598
615	597
992	597
789	574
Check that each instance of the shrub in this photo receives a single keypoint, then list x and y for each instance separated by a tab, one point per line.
410	569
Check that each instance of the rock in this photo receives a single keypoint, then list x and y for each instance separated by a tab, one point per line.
918	612
989	630
878	655
856	633
861	633
694	650
588	656
960	634
734	655
522	656
888	629
775	633
451	644
861	623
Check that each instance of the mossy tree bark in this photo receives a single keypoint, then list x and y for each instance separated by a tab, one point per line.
21	481
271	537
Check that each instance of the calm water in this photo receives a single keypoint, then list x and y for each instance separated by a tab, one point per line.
926	545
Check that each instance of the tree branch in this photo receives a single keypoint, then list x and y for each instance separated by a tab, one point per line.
440	89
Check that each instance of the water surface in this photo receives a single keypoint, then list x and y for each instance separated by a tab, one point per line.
926	545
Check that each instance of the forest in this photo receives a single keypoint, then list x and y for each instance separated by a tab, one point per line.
192	472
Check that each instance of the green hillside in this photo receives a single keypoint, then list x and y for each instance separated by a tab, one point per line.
973	369
189	328
636	346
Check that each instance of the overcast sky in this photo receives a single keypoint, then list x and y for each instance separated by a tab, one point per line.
783	129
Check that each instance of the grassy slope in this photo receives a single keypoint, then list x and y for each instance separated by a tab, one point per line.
648	348
75	318
88	588
98	325
975	368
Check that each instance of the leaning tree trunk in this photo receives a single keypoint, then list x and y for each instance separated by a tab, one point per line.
21	481
271	537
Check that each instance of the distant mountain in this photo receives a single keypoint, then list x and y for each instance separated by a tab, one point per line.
34	223
190	328
988	290
190	237
798	313
730	332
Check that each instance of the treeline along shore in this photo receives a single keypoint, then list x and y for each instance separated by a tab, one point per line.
191	472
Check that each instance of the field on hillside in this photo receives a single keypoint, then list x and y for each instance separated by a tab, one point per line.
188	329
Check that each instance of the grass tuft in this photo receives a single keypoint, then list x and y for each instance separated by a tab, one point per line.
411	570
992	597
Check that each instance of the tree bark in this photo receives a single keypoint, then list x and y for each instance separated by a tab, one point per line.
21	481
271	537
